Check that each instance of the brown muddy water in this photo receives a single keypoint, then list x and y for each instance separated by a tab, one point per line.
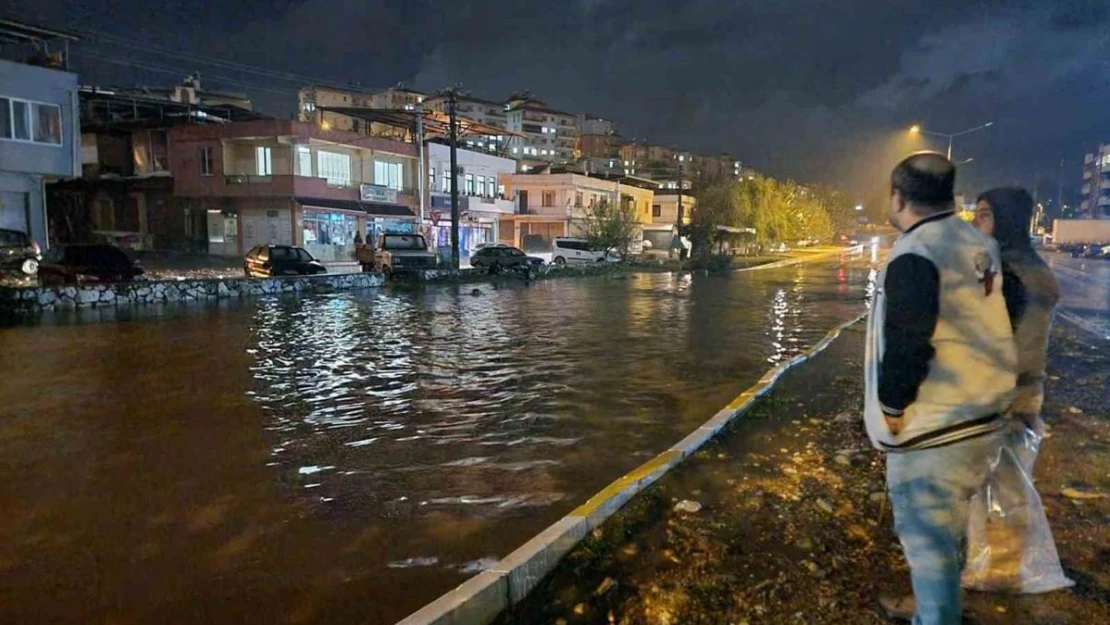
346	458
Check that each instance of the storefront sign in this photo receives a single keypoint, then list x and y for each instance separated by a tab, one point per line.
377	193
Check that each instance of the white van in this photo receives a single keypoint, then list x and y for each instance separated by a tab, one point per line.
566	250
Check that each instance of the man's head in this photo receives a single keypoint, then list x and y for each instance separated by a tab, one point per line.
920	186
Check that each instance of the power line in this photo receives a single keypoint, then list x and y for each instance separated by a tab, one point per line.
212	61
167	70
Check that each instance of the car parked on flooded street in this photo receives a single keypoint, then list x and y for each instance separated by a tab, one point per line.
84	264
18	252
266	261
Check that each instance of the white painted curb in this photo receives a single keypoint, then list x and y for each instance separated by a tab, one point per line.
479	600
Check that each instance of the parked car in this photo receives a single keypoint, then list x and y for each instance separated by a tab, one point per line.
567	250
18	252
1094	250
83	264
498	259
395	254
265	261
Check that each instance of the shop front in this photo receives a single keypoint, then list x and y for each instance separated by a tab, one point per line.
330	229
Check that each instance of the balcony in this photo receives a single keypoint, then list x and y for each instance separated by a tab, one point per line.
1104	184
244	185
1103	200
442	202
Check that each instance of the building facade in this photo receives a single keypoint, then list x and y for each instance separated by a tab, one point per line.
555	205
1095	192
39	142
482	203
548	135
285	182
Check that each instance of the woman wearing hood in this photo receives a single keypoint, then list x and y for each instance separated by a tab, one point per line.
1010	544
1029	288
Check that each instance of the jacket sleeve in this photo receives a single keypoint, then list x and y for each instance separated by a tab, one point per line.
912	288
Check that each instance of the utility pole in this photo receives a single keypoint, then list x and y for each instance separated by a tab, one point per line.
421	165
1060	189
453	136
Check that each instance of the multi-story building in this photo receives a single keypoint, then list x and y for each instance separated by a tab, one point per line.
313	102
39	142
276	181
481	112
482	202
548	135
1095	193
125	193
555	205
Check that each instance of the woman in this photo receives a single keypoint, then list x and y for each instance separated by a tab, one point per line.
1009	542
1029	288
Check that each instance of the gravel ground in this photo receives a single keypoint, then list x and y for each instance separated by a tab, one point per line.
794	525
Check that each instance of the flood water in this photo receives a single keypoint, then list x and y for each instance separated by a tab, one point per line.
346	458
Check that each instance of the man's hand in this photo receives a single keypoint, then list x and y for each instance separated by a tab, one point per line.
893	422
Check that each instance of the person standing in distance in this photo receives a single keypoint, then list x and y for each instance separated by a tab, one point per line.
940	370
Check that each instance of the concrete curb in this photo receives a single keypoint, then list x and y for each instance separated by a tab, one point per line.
482	598
789	262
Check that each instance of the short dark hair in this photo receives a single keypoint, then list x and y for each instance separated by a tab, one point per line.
926	179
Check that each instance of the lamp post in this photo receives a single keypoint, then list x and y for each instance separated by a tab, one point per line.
917	129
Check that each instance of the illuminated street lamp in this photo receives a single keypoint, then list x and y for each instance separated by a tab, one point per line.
918	130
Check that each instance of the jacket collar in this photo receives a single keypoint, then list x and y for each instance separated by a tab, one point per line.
930	219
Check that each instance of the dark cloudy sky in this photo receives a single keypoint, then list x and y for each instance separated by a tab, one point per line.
819	90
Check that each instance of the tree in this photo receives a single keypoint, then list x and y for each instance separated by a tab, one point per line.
609	226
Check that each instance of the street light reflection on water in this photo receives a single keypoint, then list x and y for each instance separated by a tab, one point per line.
330	451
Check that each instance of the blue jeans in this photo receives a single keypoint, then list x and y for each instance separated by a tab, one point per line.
929	493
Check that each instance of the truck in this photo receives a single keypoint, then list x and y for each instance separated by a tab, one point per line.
396	254
1076	232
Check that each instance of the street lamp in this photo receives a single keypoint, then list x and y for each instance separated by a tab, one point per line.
917	129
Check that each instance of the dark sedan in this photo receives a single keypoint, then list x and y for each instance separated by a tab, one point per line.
265	261
83	264
498	259
18	252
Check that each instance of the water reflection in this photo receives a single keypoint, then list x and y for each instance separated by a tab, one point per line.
300	459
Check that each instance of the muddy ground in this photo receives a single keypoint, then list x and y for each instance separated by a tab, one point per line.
794	525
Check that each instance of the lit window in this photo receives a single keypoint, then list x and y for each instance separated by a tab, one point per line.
388	174
263	161
334	166
481	186
431	177
304	161
469	184
206	161
515	150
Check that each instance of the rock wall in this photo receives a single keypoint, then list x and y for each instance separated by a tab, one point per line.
33	299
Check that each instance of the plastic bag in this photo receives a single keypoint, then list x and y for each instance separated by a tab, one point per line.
1010	546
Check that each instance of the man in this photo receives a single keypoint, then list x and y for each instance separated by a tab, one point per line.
940	373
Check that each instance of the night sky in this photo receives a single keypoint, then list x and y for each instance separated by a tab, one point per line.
818	90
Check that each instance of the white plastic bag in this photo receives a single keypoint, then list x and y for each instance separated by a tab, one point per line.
1010	546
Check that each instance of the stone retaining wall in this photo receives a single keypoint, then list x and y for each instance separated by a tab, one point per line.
36	299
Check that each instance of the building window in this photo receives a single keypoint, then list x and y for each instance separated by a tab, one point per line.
501	190
206	161
389	175
22	120
304	161
469	184
328	228
431	178
481	186
548	199
578	199
263	161
446	182
335	167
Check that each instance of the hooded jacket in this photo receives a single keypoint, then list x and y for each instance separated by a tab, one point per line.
1031	293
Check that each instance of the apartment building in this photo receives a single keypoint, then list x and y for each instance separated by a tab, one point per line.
1095	194
555	204
311	102
277	181
482	203
479	111
125	192
548	135
39	142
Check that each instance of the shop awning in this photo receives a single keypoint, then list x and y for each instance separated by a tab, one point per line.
370	208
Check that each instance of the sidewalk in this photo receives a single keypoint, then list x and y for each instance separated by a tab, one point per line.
794	526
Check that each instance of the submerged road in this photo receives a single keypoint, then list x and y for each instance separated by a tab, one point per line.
346	458
1085	291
